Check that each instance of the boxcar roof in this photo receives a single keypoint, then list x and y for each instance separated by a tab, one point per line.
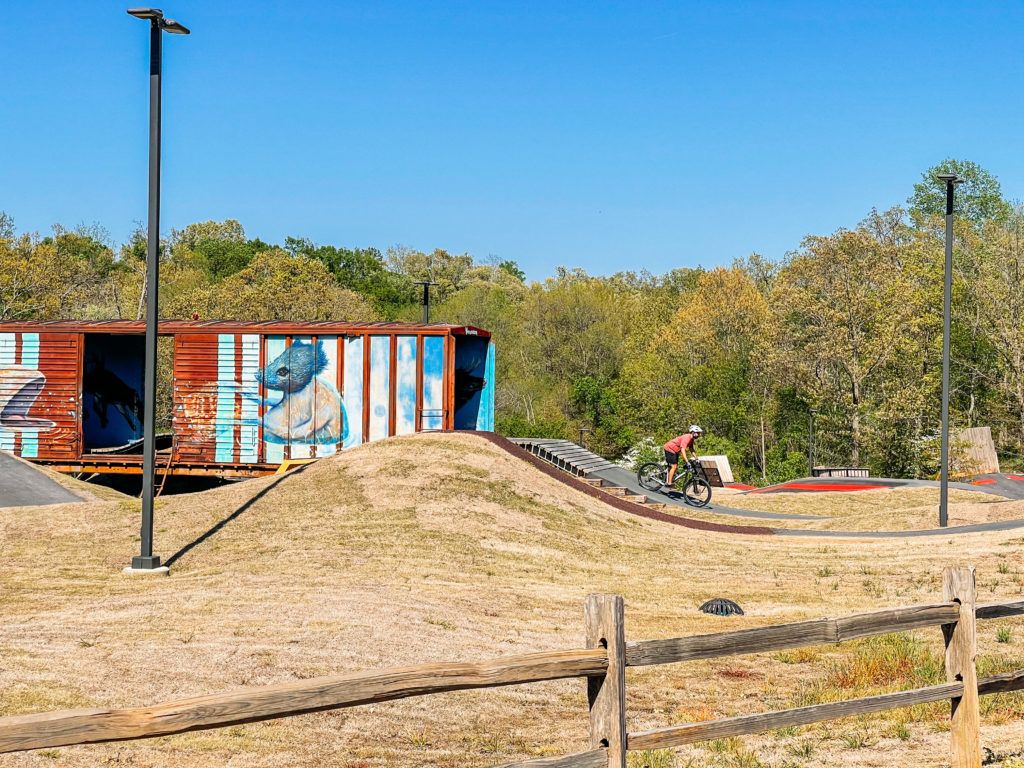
288	327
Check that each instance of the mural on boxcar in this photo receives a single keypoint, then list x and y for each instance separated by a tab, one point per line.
433	383
305	408
21	382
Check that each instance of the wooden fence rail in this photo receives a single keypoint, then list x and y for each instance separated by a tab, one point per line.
602	663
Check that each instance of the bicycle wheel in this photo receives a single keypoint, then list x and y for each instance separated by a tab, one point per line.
697	492
651	476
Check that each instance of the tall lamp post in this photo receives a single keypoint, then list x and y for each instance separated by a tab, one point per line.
426	299
146	560
951	180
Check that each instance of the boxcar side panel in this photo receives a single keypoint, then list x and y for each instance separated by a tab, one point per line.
353	389
197	396
432	413
40	414
305	414
405	385
380	386
485	416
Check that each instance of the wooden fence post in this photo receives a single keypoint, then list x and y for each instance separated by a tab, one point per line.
961	649
603	617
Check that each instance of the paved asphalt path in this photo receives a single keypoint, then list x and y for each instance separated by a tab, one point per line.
1007	486
1003	486
22	485
627	479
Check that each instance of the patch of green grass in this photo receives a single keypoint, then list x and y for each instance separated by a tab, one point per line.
804	750
856	739
650	758
1003	635
899	731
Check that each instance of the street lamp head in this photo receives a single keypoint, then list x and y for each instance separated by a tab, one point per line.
170	25
950	178
156	16
146	13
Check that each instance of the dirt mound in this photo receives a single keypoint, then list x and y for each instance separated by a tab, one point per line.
431	547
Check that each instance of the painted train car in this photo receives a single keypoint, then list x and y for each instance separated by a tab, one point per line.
246	397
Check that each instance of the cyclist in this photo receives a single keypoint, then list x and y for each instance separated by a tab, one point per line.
684	444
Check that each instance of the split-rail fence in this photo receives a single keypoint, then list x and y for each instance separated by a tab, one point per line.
603	663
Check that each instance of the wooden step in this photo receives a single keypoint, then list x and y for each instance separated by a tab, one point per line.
615	490
635	499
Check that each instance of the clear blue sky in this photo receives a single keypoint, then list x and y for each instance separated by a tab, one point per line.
603	135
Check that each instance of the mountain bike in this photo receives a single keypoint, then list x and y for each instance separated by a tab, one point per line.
690	477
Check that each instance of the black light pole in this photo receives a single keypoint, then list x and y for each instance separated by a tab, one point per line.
426	299
951	180
146	560
810	442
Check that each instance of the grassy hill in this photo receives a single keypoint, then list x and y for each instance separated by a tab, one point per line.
443	547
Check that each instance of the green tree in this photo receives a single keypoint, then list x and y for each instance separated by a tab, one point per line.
277	285
978	199
362	270
855	308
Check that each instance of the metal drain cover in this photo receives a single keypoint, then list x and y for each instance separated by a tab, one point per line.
721	606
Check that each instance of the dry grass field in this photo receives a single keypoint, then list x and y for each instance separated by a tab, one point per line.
445	548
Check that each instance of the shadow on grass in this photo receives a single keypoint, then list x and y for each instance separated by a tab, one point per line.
232	517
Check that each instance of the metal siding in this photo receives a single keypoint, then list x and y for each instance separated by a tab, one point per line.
273	346
329	378
57	355
226	397
307	420
353	390
383	388
485	415
196	391
380	386
50	361
296	449
405	386
8	359
432	405
249	391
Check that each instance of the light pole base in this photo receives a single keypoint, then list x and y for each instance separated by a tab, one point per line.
149	564
162	570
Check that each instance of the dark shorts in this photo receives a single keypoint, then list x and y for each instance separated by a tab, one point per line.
671	458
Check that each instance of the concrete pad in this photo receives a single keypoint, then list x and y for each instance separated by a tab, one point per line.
163	570
22	485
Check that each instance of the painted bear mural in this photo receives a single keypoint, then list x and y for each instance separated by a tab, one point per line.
310	410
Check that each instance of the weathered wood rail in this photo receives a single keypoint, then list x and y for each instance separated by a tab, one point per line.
603	663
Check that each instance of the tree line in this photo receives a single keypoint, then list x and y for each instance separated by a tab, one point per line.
847	325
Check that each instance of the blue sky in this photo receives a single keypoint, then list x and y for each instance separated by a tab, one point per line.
608	136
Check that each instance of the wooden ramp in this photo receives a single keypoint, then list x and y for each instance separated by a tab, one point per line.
564	454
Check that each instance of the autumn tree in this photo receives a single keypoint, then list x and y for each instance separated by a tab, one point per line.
853	306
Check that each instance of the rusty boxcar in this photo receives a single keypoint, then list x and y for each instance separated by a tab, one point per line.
246	396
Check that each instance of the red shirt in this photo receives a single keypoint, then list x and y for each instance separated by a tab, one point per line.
677	444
